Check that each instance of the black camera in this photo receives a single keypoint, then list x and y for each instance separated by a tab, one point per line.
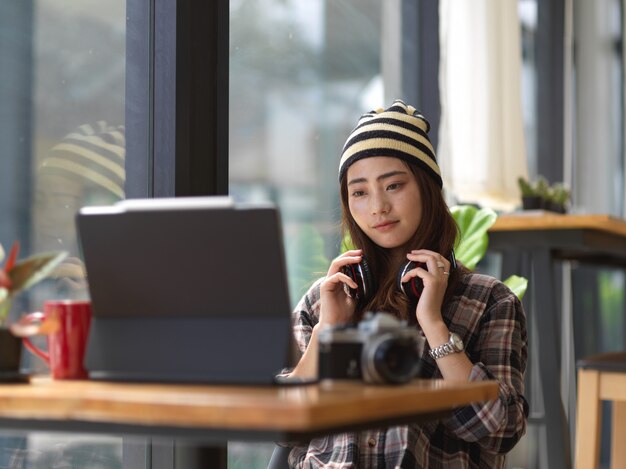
379	349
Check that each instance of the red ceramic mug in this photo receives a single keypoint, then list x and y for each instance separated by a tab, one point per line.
66	322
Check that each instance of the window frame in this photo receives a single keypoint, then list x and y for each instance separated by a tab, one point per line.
177	72
175	145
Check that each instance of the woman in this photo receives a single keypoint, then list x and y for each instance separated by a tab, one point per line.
394	211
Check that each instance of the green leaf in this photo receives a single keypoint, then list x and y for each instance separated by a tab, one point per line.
473	225
5	305
32	270
518	285
346	243
525	187
1	253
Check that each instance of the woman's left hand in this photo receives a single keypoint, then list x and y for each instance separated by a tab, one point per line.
435	280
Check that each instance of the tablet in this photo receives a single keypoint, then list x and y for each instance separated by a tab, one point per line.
186	289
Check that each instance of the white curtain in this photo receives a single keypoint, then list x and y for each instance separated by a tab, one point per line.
481	141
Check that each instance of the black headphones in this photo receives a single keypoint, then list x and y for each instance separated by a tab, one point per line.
362	276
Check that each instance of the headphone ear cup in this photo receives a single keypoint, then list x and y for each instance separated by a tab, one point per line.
414	287
362	276
369	285
353	271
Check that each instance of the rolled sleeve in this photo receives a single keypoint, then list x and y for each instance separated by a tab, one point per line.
497	425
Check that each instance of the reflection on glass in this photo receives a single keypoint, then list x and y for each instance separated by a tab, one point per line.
299	73
62	79
78	121
46	451
85	168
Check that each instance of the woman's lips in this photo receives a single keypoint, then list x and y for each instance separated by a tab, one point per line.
385	226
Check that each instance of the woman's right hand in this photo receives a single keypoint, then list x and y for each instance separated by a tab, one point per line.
337	305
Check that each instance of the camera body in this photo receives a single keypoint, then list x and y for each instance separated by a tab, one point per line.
379	349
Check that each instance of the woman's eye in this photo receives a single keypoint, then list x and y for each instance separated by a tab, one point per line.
358	193
394	186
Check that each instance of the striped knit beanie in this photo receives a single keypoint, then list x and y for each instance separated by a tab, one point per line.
92	154
399	131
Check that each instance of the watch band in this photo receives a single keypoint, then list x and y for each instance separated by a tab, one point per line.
441	351
446	349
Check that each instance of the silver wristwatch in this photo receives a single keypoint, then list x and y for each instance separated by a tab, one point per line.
454	345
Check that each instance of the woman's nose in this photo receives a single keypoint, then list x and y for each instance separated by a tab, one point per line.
379	204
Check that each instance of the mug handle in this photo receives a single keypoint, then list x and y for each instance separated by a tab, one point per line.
25	322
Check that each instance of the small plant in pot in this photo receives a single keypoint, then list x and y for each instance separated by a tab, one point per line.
541	195
558	198
542	186
531	199
15	277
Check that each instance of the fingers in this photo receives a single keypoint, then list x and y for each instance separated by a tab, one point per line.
335	276
417	271
337	306
432	259
433	273
339	278
349	257
437	266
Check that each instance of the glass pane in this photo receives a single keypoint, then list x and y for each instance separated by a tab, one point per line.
318	66
301	73
62	146
597	90
78	145
528	22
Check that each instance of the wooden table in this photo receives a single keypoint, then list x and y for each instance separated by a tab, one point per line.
215	414
540	240
593	238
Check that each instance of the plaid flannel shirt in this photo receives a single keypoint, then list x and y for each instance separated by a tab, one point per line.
491	321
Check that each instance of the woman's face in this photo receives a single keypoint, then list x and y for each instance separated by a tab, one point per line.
385	201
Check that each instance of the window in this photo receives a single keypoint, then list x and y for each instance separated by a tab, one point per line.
300	74
62	78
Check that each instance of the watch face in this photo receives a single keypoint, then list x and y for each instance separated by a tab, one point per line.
456	340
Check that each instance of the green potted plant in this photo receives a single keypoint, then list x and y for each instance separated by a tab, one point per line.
541	195
531	200
15	277
558	198
542	187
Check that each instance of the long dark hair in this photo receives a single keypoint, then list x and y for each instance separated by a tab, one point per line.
437	232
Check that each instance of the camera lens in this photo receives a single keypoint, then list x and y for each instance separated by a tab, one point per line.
390	359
